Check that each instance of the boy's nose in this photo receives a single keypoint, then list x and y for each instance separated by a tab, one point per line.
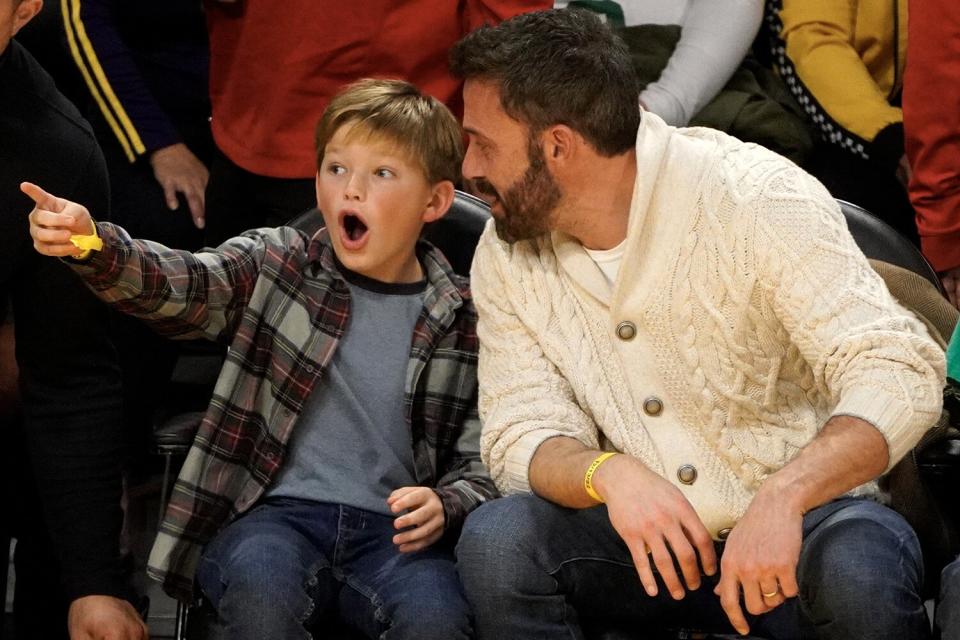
354	189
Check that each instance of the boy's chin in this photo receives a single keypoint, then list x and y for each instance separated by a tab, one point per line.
362	263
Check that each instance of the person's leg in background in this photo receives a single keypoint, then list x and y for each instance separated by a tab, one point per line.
39	604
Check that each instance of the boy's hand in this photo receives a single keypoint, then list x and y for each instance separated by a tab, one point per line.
53	220
425	515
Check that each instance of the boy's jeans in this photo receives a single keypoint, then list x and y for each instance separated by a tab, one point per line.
534	570
288	564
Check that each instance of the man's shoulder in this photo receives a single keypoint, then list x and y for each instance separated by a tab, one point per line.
32	96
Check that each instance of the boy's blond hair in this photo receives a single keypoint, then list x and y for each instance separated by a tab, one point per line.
420	125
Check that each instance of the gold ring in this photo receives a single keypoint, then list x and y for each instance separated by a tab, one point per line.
770	595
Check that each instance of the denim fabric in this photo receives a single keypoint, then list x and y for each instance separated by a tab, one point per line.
948	607
286	567
533	570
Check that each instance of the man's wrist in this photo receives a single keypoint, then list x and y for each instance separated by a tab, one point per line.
604	477
787	491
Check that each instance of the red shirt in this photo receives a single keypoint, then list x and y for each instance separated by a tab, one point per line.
275	65
931	120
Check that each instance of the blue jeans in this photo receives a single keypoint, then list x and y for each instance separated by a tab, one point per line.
534	570
289	566
948	607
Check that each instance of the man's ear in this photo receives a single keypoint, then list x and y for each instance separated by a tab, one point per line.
441	197
24	13
559	144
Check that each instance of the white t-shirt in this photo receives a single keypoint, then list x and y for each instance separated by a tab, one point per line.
608	260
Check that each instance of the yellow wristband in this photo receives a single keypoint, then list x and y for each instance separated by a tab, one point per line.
89	243
592	469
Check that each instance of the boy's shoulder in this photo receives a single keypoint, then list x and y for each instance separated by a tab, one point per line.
441	273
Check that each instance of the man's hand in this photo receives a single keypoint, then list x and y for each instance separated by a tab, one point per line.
179	171
650	514
424	514
53	220
105	618
760	558
951	285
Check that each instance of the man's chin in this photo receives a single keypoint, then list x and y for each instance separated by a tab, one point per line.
509	234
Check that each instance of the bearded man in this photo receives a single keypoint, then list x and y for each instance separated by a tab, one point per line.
690	377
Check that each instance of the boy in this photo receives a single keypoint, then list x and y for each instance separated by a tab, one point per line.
305	451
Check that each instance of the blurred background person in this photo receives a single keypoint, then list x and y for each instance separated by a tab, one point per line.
63	445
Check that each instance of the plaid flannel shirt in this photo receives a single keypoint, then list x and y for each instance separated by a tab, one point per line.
277	297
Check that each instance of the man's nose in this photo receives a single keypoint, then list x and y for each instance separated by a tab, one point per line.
471	164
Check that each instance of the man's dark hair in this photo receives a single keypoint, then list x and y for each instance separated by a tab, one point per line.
558	66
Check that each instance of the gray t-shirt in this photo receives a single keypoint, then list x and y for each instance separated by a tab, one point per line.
352	444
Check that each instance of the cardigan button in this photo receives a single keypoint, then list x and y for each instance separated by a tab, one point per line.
723	534
687	474
626	330
653	406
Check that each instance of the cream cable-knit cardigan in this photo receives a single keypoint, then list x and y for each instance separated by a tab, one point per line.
757	318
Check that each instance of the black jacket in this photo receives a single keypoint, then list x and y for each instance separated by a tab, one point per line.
69	378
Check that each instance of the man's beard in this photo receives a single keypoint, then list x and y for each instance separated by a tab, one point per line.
528	203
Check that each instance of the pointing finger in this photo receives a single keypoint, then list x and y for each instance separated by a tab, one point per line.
43	199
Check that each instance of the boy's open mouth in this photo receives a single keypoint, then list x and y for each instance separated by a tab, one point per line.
353	230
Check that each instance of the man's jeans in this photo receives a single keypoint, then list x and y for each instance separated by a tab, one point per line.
948	608
535	570
289	565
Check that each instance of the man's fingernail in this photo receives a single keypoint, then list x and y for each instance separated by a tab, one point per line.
678	594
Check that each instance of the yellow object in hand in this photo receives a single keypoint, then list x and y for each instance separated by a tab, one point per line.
87	243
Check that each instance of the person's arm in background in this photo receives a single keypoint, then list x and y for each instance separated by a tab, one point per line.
715	37
931	119
831	81
137	121
70	389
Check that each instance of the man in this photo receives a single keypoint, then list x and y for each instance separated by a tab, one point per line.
68	379
697	308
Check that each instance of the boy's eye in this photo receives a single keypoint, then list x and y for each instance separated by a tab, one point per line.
384	173
336	169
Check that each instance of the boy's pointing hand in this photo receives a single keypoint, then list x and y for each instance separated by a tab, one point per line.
54	220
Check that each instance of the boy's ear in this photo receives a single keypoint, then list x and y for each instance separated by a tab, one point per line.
441	197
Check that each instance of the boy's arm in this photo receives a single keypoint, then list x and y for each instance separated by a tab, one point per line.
179	293
465	484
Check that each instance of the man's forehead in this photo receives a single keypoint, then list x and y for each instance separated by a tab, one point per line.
483	112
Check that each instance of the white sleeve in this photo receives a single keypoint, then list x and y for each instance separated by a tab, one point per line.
715	37
524	399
